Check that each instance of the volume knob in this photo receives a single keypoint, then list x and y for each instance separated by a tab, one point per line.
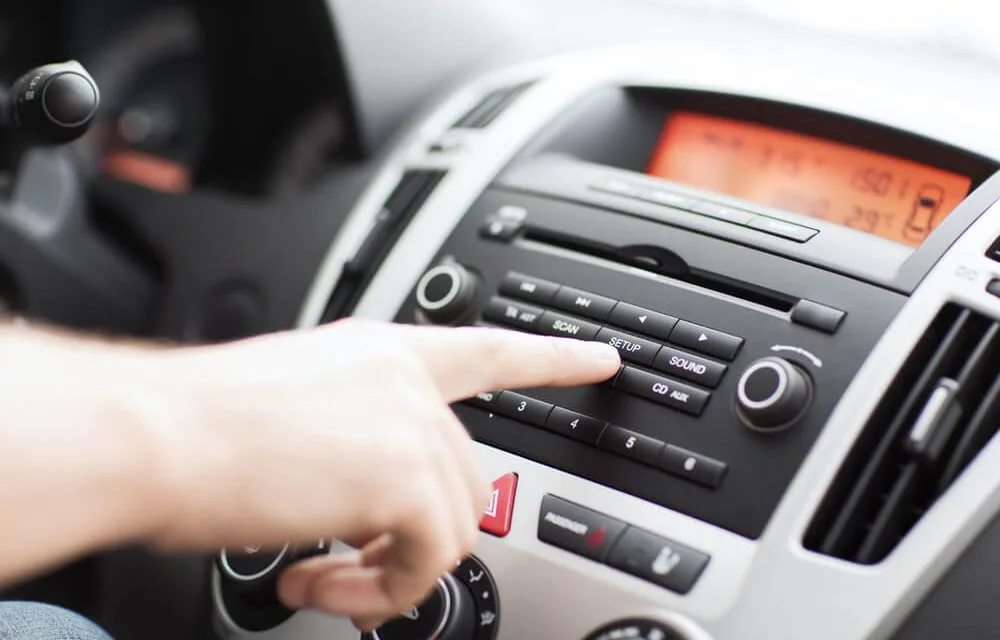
772	394
446	292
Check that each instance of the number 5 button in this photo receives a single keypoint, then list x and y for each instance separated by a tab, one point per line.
574	425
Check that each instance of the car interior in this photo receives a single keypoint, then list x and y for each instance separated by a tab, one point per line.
783	215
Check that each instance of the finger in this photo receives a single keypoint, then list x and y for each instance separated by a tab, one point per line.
374	553
354	592
424	548
477	486
467	360
296	581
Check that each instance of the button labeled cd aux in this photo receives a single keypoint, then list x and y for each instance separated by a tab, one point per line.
662	390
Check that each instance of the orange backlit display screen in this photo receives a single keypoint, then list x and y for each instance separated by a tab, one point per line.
873	192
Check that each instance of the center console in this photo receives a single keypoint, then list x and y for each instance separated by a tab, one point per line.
800	440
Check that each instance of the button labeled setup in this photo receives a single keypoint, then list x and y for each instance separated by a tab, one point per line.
693	466
586	304
556	324
662	390
631	348
651	323
631	445
689	367
499	513
661	561
523	408
577	529
574	425
512	313
709	341
527	288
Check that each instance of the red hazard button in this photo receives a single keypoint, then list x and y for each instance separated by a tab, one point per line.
500	511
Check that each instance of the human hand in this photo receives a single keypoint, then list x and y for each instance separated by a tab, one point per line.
345	432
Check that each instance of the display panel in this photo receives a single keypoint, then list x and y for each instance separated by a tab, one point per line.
884	195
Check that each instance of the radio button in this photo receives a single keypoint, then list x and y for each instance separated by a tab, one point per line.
574	425
632	445
555	324
783	229
523	408
583	303
577	529
638	350
661	561
817	316
512	313
662	390
651	323
527	288
709	341
689	367
693	466
726	214
485	400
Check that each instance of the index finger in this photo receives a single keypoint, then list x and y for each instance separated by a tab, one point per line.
464	361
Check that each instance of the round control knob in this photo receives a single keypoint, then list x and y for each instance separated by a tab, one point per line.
638	628
449	613
446	292
772	394
55	103
250	563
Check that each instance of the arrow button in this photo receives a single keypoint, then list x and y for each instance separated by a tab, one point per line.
645	321
705	340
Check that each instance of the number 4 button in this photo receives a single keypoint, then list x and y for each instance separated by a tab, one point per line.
574	425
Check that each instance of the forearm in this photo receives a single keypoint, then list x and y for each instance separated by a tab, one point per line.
84	445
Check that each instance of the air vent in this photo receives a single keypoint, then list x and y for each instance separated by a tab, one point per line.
490	107
937	415
406	199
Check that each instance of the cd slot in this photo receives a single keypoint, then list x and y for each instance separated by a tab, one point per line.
659	260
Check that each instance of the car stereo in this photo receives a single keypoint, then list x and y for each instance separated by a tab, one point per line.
765	269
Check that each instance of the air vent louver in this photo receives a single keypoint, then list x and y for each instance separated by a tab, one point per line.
490	107
941	410
413	190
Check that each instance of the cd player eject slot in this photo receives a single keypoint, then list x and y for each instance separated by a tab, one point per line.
657	259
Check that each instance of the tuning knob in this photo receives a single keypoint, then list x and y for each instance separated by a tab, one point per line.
446	292
52	104
449	613
772	394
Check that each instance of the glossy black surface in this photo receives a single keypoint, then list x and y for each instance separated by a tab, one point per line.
701	420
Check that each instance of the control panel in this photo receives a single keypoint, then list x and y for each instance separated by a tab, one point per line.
727	378
771	274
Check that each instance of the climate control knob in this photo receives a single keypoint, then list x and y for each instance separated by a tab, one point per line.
772	394
446	292
449	613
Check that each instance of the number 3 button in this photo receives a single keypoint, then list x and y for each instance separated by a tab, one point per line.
574	425
523	408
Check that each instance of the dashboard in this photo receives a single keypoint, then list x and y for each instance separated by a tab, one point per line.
790	237
802	281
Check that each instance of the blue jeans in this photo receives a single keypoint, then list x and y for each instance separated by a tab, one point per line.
28	621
